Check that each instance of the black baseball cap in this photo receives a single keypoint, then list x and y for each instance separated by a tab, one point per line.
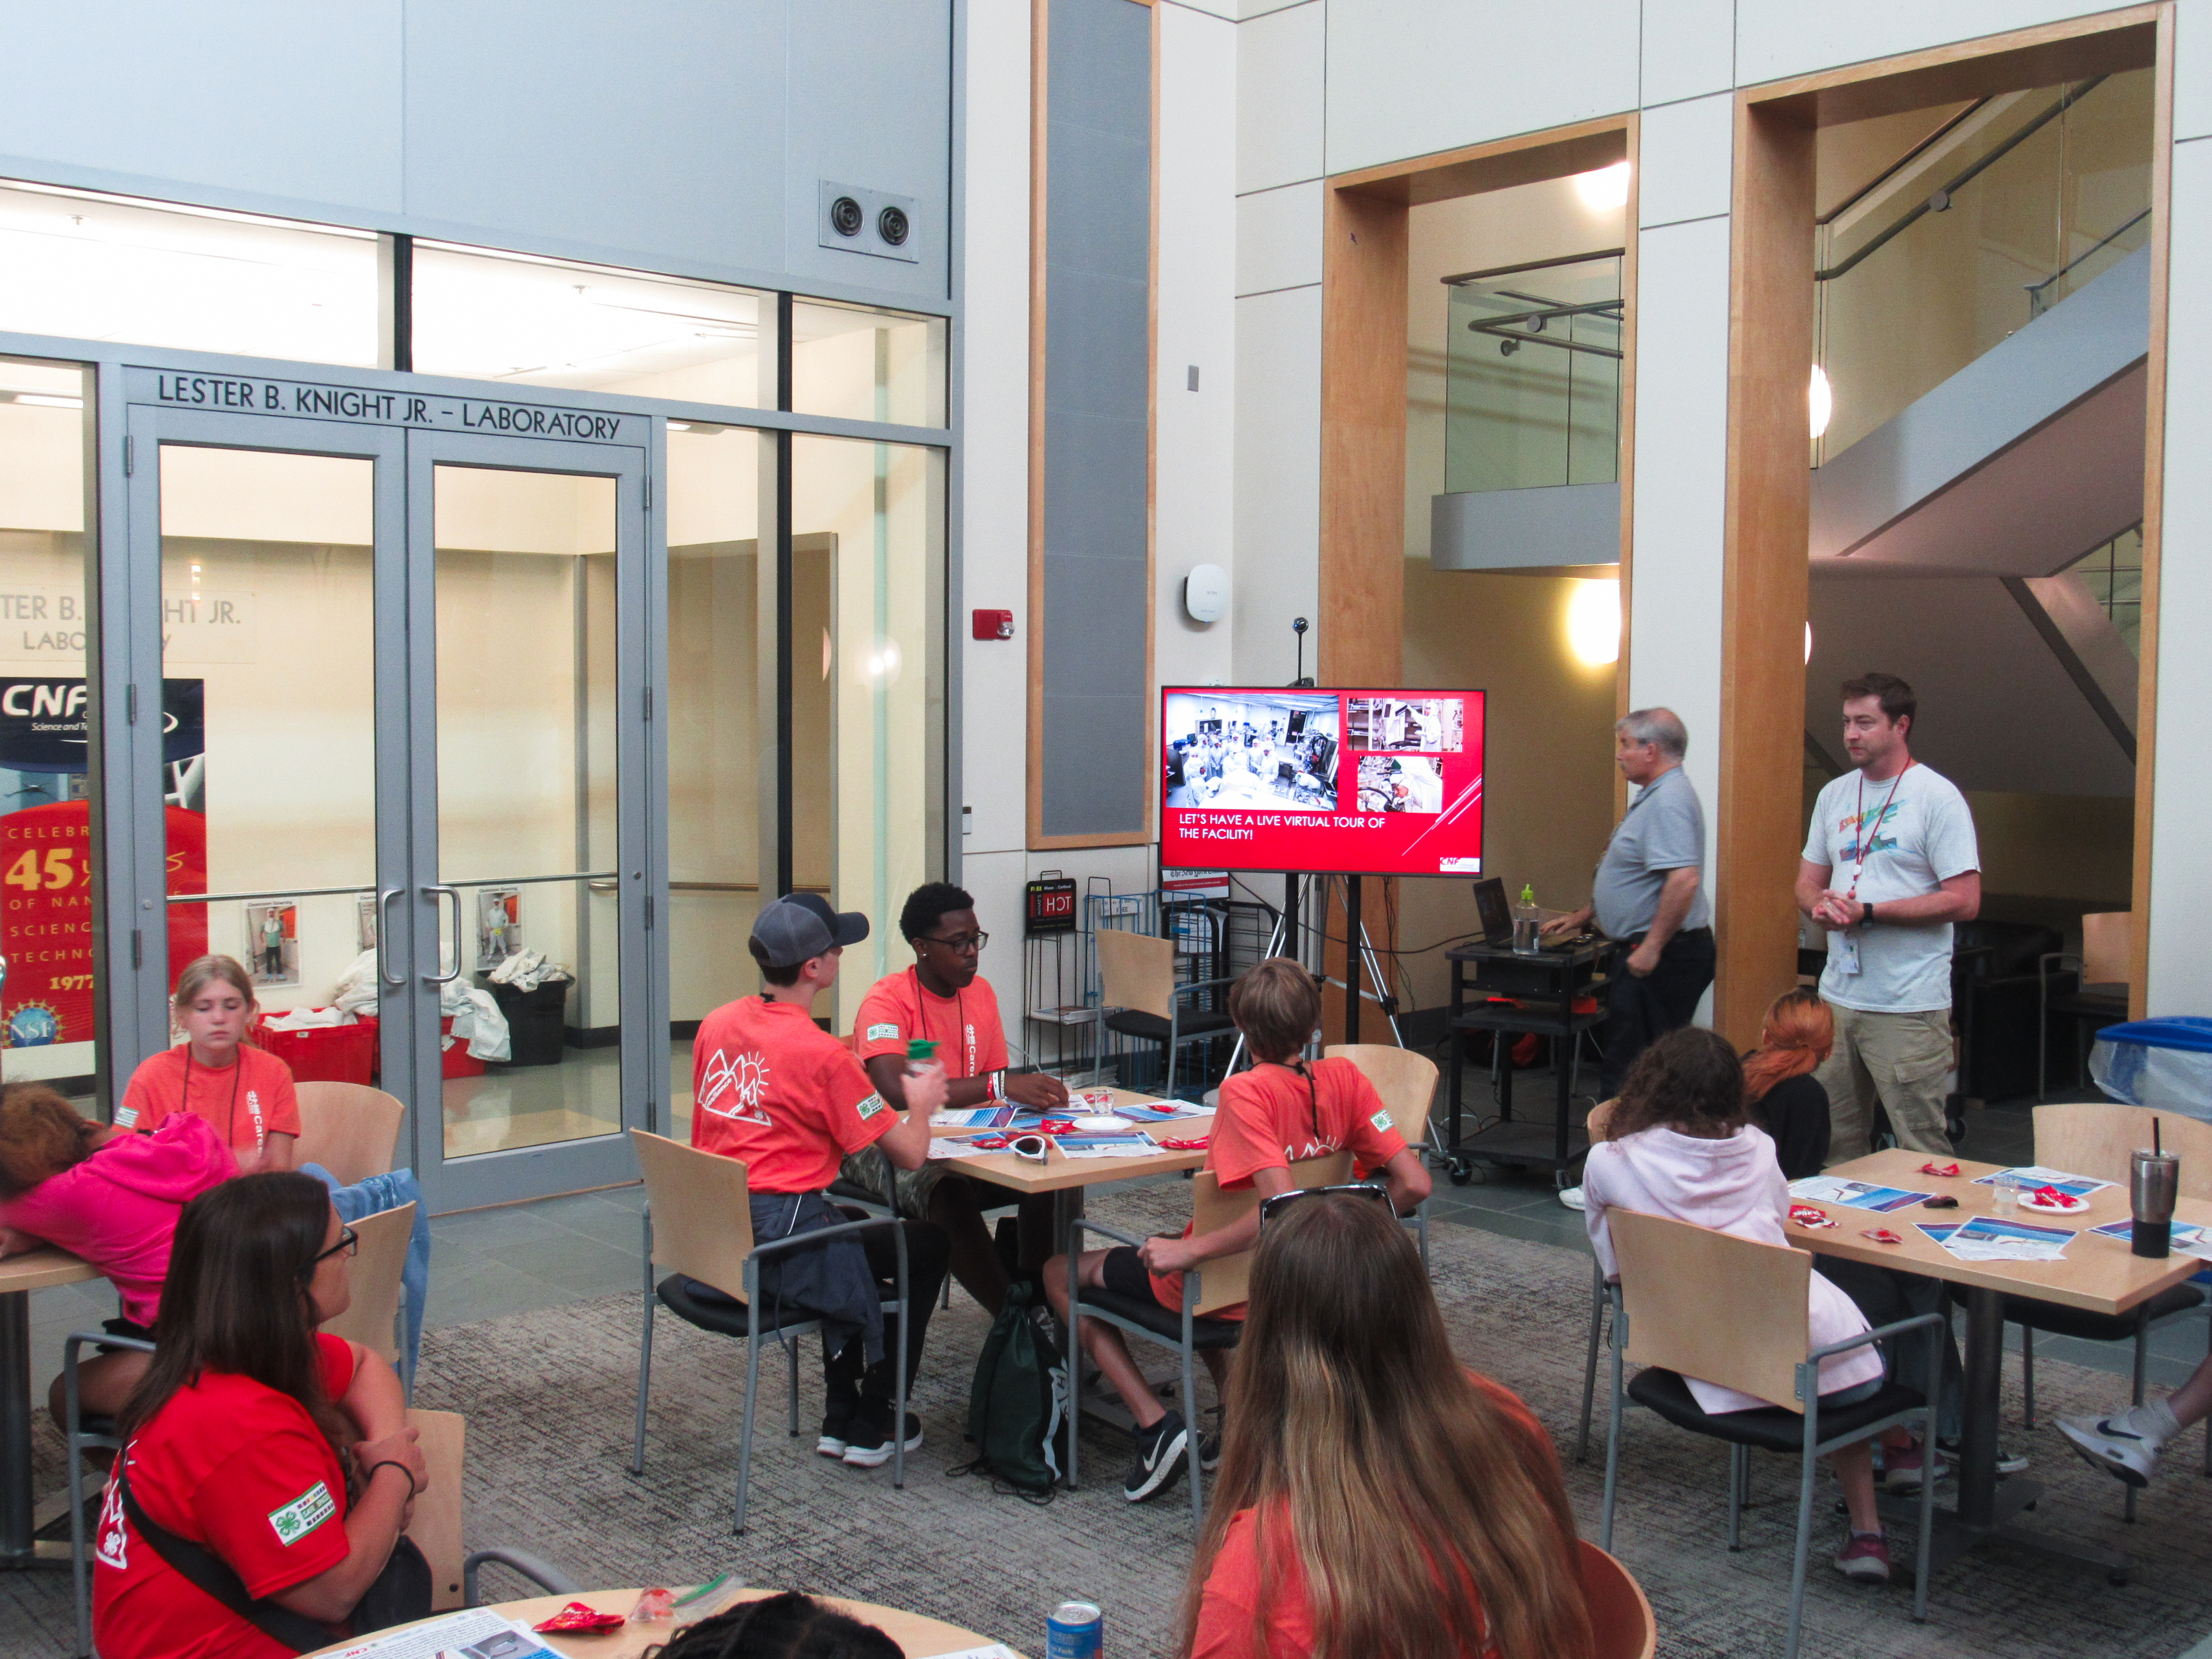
799	926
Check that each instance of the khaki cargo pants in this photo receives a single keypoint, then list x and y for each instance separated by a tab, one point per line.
1902	1060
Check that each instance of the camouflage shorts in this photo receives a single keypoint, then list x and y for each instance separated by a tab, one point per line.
907	1191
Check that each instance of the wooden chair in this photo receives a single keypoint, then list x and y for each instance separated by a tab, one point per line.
1670	1316
1408	1082
1222	1283
436	1524
372	1318
698	1226
2095	1138
349	1128
2101	990
1619	1612
1136	982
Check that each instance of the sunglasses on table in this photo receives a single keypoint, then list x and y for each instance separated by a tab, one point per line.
349	1242
1272	1206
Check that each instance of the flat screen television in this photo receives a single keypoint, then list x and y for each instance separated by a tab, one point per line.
1382	782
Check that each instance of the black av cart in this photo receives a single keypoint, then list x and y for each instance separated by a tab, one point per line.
1495	989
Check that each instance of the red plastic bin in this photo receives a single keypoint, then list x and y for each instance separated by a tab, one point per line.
323	1053
455	1061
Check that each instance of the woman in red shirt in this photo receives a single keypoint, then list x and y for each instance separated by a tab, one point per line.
244	1093
1374	1496
276	1454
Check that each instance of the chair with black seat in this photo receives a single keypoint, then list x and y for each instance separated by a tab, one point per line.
698	1225
1221	1283
2094	1138
1137	983
2097	994
1666	1317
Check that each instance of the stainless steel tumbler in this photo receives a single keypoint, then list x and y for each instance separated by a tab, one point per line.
2153	1179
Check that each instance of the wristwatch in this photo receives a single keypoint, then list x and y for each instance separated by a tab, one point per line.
1866	916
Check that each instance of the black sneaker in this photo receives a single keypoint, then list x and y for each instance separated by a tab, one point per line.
1209	1452
870	1446
1159	1458
836	1427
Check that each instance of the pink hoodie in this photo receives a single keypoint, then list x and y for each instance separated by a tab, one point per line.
1733	1186
119	1209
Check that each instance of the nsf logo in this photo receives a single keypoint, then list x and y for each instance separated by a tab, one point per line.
33	1025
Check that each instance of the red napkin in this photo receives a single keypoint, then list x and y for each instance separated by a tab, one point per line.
2057	1198
1941	1171
1880	1236
579	1619
1194	1144
1805	1216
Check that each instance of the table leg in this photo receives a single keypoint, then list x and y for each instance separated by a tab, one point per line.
16	1549
1564	1067
1453	1051
1978	1438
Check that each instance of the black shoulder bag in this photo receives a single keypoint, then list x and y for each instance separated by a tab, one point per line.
400	1593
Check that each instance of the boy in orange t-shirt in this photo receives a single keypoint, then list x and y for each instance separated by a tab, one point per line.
1282	1111
773	1090
943	998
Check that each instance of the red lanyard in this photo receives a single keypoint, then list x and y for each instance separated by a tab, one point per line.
1866	834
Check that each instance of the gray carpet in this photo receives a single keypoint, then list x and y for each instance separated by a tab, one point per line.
548	1396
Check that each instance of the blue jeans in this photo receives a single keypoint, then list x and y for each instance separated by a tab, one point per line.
372	1197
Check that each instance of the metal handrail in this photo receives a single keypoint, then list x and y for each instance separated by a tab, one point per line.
1939	199
2035	289
1533	264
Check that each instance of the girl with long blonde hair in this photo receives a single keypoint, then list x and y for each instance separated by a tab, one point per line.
1376	1497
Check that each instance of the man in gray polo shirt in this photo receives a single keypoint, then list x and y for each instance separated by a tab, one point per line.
1650	895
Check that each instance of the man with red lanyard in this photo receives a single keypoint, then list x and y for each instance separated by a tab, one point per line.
1890	863
944	1000
774	1090
1284	1111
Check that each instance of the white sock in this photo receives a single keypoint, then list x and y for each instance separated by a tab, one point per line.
2153	1421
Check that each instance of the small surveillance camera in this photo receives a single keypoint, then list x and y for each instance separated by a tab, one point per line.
1298	624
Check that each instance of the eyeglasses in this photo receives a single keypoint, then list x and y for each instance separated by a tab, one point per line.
960	944
349	1242
1272	1206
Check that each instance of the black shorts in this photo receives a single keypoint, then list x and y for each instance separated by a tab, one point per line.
1123	1273
130	1327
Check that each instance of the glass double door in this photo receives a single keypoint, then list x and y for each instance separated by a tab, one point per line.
401	767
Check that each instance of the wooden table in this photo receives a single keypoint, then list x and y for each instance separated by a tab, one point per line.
2101	1275
19	1276
921	1638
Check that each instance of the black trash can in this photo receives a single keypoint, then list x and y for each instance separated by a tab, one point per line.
533	1021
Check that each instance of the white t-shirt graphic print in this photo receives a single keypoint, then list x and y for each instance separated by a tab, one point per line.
1923	838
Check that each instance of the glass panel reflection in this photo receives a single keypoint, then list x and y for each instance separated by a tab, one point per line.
526	646
860	363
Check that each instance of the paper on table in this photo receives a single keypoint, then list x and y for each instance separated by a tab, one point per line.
2184	1239
1132	1143
1163	1112
2028	1177
954	1145
475	1633
976	1117
1854	1194
1985	1238
994	1650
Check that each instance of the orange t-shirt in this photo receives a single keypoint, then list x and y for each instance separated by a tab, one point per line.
773	1090
965	1026
1270	1118
245	1104
1228	1612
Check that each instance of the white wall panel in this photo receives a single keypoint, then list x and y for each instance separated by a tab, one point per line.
1681	469
2193	69
1225	9
995	880
994	545
1194	456
1278	98
2181	815
1408	77
1278	481
1267	7
1689	48
1684	150
1278	238
296	102
1779	38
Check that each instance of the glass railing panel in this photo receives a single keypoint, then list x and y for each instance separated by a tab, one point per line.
1533	377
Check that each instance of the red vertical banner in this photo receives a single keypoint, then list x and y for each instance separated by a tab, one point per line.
187	873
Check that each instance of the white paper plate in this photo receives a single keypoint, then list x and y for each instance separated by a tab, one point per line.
1105	1123
2029	1201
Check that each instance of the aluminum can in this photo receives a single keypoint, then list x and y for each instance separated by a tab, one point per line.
1077	1630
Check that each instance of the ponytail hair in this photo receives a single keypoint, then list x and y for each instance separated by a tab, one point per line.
1799	1033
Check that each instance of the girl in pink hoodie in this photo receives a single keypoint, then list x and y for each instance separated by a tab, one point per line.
1681	1144
110	1197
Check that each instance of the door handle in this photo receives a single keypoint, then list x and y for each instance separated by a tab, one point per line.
431	893
384	935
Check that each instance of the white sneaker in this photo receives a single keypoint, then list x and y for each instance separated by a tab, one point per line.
1571	1197
2112	1446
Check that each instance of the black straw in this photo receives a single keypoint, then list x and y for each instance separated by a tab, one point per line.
2157	1147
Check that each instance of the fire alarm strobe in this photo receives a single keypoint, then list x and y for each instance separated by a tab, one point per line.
995	624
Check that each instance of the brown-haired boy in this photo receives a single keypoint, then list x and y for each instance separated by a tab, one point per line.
1280	1112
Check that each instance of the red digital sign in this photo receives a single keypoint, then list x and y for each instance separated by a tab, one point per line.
1382	782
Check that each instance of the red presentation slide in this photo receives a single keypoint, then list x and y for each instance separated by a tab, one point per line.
1385	782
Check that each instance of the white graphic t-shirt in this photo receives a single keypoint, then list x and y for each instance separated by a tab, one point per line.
1918	838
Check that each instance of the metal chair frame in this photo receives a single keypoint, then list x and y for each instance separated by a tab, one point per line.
1808	1391
77	1442
787	1335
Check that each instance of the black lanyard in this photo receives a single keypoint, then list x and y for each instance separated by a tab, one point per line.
1313	1089
959	1012
237	1076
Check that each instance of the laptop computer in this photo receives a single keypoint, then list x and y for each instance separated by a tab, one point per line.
1493	912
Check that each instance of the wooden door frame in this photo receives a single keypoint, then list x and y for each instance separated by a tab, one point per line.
1759	821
